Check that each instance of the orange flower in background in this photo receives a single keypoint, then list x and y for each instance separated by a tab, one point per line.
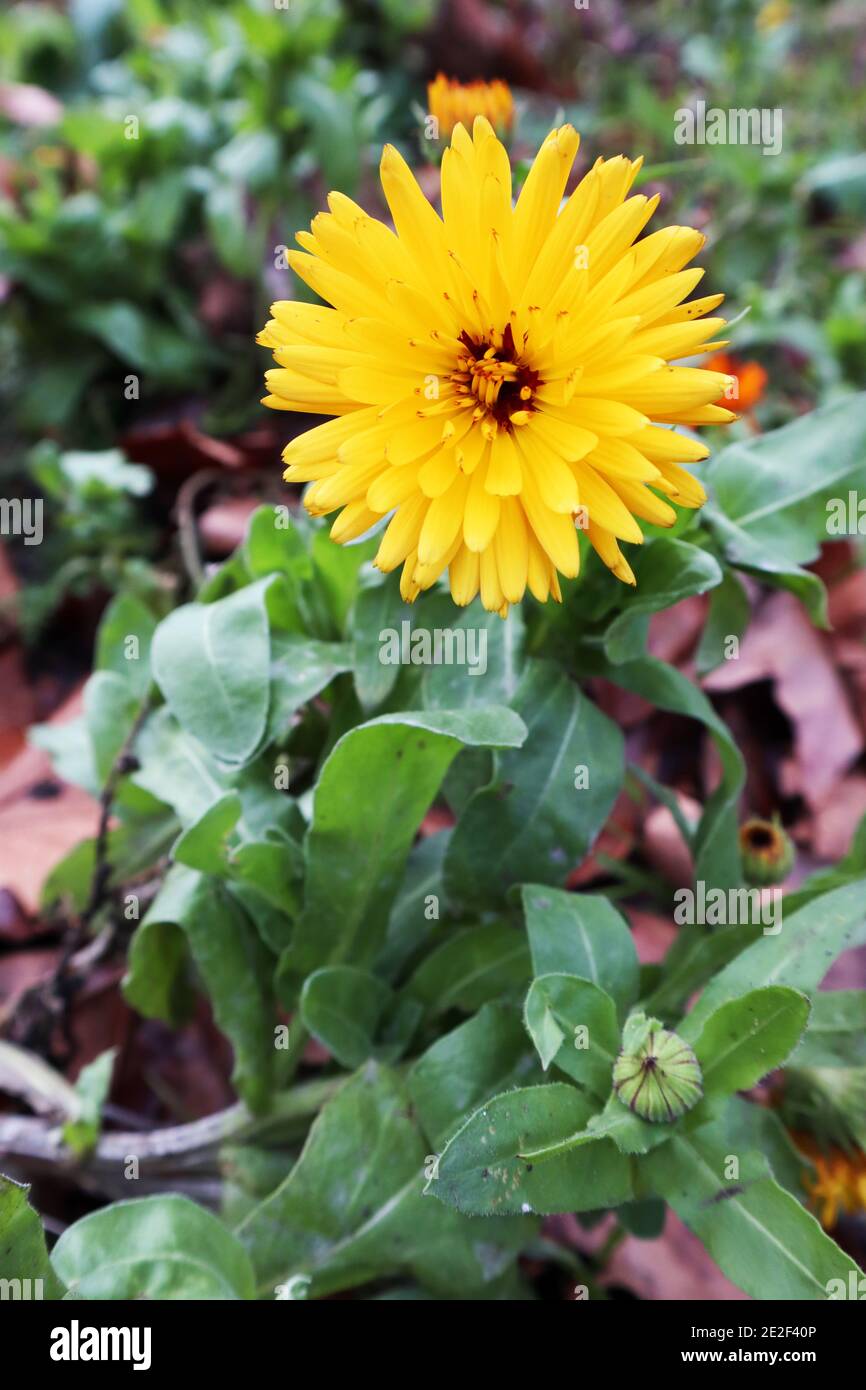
839	1185
454	103
751	378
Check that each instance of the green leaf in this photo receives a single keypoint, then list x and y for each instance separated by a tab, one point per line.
757	1233
22	1242
92	1089
110	707
378	608
356	1016
70	748
573	1023
750	1036
414	918
492	648
581	934
211	662
124	639
152	1248
750	554
157	981
748	1125
337	568
470	968
839	178
300	669
486	1054
177	770
234	965
728	616
799	956
333	135
533	823
667	570
768	499
644	1219
482	1173
335	1234
274	545
226	217
142	340
852	866
271	871
204	845
836	1036
383	774
630	1133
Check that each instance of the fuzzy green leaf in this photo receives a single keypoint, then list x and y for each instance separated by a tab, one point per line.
748	1037
152	1248
482	1171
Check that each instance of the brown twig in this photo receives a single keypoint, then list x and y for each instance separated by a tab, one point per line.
123	764
184	512
178	1158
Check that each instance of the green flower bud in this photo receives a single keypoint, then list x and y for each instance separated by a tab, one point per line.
768	854
657	1075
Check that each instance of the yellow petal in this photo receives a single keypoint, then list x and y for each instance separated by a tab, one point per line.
401	534
504	473
554	531
604	504
464	575
511	546
482	512
553	478
443	522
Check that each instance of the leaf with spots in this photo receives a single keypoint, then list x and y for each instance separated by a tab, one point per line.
748	1037
353	1207
760	1236
483	1171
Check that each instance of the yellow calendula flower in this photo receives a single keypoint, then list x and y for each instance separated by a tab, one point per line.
499	375
454	103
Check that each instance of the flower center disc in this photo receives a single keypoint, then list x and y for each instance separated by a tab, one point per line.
502	385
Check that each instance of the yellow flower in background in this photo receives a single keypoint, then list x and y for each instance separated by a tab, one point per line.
773	14
454	103
500	375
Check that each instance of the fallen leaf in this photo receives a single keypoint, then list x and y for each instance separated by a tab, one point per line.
782	646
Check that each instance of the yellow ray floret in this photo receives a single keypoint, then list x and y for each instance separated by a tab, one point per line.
500	376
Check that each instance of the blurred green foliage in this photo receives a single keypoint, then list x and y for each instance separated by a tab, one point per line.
188	141
784	232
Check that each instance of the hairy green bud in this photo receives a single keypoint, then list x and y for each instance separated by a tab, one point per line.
657	1075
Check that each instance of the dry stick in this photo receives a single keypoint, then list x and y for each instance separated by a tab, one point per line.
179	1158
75	958
184	512
120	767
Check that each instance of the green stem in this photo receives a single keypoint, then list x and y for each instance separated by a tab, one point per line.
289	1059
